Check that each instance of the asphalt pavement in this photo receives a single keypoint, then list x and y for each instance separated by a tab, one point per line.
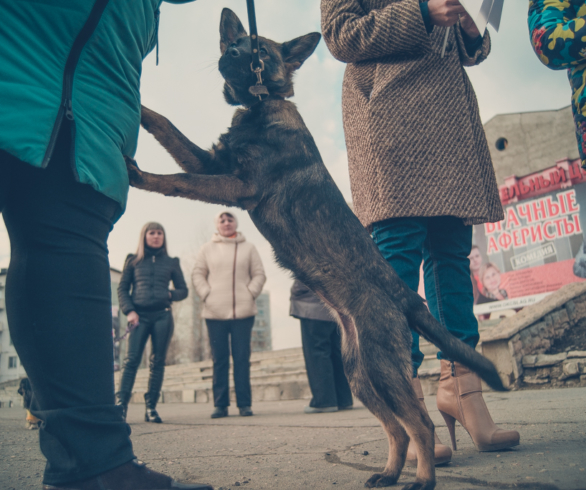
280	447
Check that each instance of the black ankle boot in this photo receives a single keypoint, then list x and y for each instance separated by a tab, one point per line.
122	399
220	412
151	415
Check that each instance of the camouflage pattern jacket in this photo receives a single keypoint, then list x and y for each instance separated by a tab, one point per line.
558	35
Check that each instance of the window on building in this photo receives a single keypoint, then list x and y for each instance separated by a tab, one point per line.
12	362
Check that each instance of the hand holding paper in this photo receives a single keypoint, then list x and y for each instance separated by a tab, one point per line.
474	15
484	12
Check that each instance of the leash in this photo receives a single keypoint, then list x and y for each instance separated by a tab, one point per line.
129	328
257	66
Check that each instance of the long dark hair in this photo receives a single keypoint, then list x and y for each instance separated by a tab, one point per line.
151	225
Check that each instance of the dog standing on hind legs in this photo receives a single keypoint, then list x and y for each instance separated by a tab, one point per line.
268	164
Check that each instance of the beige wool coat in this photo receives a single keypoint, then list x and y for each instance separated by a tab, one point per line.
228	276
416	145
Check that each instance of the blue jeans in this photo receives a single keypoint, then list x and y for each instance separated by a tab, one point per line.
443	243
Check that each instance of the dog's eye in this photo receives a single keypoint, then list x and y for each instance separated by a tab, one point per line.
263	52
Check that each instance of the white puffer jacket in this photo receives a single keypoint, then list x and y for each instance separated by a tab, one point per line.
228	276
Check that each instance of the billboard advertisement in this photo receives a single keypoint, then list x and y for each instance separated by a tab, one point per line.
538	247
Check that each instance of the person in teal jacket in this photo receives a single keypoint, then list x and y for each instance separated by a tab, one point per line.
558	36
69	112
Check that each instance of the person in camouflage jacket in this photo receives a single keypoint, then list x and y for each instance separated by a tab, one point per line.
558	35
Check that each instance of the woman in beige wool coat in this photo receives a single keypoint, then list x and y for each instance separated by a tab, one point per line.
420	169
228	276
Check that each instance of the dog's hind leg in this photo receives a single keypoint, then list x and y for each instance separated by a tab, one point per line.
363	390
419	427
190	157
384	352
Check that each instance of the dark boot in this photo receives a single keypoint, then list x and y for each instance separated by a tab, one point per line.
130	476
151	414
122	399
220	412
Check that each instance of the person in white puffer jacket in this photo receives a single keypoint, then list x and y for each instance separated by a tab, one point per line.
228	276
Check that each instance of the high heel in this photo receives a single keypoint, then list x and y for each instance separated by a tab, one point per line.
459	397
451	425
442	453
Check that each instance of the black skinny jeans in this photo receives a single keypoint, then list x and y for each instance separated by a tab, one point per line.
222	333
58	302
323	361
159	326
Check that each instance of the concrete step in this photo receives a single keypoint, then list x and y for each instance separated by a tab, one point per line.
273	375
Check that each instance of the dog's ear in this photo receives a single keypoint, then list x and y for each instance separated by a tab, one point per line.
295	52
230	29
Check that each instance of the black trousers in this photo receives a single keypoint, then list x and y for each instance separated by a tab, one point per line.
222	334
159	326
323	362
58	303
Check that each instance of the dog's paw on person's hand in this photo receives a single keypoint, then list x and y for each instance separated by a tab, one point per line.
134	173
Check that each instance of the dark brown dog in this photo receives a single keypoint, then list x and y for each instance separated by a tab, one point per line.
268	164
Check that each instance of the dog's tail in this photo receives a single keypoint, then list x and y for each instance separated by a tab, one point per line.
421	321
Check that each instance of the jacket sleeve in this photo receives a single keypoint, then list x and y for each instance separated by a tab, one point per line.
199	276
557	35
257	273
353	35
480	53
126	281
180	292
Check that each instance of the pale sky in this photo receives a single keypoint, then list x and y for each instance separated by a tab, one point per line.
187	88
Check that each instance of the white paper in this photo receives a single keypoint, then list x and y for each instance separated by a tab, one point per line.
484	12
496	13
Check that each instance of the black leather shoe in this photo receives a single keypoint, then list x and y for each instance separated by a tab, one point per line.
245	411
130	476
220	412
151	415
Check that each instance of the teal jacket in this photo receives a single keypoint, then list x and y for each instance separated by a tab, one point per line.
81	60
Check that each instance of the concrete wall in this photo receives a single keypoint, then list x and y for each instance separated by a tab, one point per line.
536	140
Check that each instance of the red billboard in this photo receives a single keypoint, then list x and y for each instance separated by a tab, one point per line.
538	247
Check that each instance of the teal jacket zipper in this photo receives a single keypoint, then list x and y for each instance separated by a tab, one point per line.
66	107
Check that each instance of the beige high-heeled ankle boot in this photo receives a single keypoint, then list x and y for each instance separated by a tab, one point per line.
442	453
459	397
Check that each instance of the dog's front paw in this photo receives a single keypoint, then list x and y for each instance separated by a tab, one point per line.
134	173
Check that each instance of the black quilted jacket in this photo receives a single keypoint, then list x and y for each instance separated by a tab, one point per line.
145	286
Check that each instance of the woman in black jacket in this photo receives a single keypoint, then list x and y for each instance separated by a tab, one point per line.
145	299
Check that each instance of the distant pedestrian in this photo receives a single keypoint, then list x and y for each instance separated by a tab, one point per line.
322	351
145	299
228	276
